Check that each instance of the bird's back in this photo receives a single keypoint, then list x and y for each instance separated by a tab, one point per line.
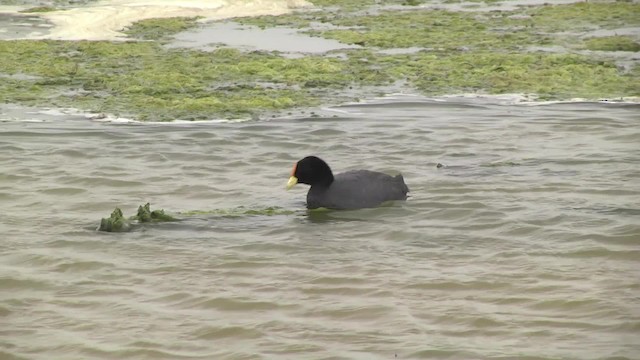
358	189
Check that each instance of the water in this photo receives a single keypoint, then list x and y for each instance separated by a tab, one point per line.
252	38
526	245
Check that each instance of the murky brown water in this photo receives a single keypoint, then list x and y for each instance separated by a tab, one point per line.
527	246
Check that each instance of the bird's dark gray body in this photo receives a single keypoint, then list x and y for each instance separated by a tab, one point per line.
357	189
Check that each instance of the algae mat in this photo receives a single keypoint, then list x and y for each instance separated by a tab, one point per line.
548	52
117	222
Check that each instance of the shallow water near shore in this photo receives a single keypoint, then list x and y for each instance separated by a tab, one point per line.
526	244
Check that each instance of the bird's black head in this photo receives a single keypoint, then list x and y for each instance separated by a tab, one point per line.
313	171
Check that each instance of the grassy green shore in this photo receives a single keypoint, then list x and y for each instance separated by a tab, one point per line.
546	51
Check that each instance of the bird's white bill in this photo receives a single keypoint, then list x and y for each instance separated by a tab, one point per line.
292	181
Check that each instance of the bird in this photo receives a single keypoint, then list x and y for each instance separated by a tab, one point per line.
355	189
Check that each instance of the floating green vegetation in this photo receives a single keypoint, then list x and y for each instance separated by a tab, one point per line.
487	52
551	76
613	43
501	164
155	29
54	3
499	30
118	223
39	9
583	16
450	30
471	1
296	20
434	29
148	82
146	215
115	223
241	211
349	4
358	5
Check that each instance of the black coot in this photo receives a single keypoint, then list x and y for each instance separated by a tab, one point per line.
349	190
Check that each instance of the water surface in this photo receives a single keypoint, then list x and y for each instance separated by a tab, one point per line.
526	245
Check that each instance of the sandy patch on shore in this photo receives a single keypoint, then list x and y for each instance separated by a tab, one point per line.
105	19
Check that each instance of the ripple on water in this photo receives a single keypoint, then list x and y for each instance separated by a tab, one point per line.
21	283
231	304
527	237
235	332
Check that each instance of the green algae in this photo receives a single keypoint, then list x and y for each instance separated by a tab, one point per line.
345	5
501	164
39	9
470	1
486	52
613	43
490	52
551	76
296	20
145	215
497	30
148	82
453	30
436	29
48	3
117	222
241	211
583	16
156	29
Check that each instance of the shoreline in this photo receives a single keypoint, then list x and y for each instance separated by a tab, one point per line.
449	54
514	100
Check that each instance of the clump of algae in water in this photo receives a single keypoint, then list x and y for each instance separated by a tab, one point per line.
241	211
118	223
115	223
146	215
